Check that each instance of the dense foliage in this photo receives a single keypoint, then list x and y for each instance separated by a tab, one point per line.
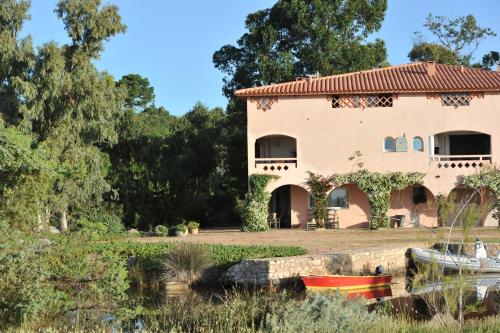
378	186
319	187
167	169
41	280
254	209
489	180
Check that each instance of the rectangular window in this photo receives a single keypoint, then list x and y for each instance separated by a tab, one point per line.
419	195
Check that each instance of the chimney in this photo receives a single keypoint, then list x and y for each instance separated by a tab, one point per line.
431	68
498	68
462	69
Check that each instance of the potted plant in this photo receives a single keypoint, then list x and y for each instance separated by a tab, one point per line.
161	230
193	227
180	230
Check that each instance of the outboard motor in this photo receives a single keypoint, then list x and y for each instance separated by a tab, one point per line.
379	270
480	250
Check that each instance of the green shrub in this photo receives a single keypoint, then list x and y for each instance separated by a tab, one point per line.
254	209
322	313
161	230
180	228
96	223
26	291
193	225
185	263
39	283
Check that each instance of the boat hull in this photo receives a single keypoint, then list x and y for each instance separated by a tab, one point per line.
352	286
452	262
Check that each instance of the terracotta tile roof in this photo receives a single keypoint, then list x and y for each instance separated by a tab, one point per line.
409	78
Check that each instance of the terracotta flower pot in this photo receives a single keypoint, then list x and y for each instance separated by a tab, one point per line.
193	231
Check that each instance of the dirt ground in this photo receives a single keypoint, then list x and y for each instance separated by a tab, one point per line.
327	240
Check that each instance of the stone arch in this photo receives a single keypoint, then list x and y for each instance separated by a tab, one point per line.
358	214
417	204
289	203
484	198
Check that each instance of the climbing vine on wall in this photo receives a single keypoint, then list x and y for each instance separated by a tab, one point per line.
254	209
487	178
319	187
378	187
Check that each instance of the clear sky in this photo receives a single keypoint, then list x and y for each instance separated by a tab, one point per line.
172	42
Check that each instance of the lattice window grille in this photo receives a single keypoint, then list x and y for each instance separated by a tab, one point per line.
455	100
264	103
362	101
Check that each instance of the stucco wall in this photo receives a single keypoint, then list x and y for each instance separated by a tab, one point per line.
327	137
298	198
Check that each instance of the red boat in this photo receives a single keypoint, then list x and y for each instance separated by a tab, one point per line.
353	286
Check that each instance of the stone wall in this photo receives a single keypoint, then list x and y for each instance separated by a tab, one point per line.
275	271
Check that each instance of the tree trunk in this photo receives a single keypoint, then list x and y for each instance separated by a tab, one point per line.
39	226
64	221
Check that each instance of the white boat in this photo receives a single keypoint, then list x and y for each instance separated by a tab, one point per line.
480	262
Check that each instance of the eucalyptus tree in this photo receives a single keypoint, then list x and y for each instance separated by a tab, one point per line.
59	96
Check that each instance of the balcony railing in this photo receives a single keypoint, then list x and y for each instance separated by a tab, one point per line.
275	164
461	161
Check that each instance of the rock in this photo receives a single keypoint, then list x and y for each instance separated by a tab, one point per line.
44	242
133	231
53	230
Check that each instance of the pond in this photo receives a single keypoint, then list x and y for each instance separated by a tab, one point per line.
481	296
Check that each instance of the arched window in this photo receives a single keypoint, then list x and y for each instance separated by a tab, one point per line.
389	144
338	198
418	144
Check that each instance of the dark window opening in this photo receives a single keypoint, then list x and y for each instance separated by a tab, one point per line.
419	195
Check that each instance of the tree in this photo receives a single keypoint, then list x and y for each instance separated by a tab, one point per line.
460	36
292	39
491	59
433	52
140	94
58	96
296	38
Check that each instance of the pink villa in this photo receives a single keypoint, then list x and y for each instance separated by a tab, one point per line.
441	120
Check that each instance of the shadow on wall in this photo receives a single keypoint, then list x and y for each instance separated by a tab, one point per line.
359	212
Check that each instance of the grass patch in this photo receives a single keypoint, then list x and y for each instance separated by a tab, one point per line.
223	255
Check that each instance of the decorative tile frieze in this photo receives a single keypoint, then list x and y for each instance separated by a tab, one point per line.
264	103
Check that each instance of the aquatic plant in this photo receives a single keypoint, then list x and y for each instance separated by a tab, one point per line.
185	263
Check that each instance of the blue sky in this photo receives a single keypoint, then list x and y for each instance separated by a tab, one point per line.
172	42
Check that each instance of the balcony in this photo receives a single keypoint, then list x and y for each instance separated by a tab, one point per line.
275	153
461	161
461	150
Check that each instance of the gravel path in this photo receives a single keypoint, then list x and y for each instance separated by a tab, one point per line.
327	240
